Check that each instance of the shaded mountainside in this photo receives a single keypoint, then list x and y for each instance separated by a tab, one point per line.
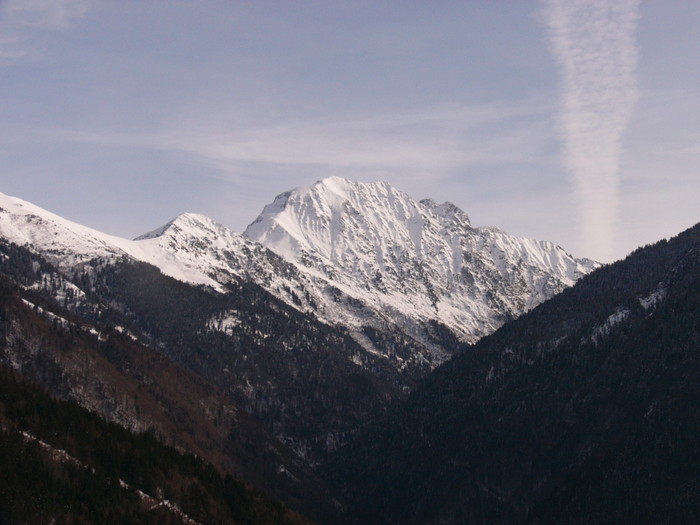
95	360
585	410
309	383
62	464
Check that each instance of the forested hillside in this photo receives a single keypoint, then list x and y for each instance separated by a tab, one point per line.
583	411
96	361
61	464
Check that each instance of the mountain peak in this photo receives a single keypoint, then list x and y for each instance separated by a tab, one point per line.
446	210
335	184
183	222
422	260
330	217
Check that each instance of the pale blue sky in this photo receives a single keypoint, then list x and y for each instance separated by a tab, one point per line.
122	114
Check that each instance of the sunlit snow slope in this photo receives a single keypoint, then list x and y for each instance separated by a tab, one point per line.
416	262
68	244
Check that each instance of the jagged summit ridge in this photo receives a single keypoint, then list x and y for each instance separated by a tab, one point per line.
311	219
447	211
335	217
417	260
188	222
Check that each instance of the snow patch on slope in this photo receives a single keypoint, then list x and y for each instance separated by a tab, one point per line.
617	317
654	298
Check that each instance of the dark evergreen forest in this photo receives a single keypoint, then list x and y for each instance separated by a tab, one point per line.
62	464
584	410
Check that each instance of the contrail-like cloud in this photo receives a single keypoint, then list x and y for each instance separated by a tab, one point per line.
594	44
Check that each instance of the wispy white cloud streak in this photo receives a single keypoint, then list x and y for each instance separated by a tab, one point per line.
22	22
594	44
429	140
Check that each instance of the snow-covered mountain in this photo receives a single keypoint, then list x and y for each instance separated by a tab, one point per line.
416	263
70	245
362	256
191	248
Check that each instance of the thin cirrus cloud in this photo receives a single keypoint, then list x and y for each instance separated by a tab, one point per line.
594	44
428	139
24	23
